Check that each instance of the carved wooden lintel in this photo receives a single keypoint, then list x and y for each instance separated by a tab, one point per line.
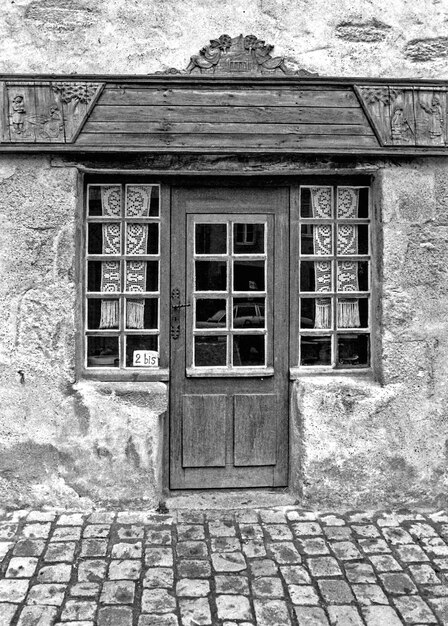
239	55
408	116
45	112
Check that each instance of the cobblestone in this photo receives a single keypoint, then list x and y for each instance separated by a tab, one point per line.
265	567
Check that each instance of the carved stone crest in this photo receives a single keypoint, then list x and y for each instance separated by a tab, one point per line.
239	55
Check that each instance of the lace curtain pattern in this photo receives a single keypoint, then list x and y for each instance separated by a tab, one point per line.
346	244
137	205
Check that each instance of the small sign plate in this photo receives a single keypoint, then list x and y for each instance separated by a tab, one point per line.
145	358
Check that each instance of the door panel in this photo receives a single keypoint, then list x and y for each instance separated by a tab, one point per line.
229	352
255	426
204	430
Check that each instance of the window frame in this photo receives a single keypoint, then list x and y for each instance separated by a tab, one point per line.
296	369
123	374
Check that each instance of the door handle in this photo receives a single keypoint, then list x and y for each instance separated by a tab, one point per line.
181	306
176	306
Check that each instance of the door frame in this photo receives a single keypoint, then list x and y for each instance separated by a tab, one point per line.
280	257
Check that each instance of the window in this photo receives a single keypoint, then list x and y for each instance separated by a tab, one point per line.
122	287
229	292
334	277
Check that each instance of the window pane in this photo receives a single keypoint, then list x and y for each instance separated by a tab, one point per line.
211	275
210	351
105	200
104	239
142	238
248	275
102	352
103	313
316	276
315	350
353	312
142	313
142	276
316	239
353	239
248	314
103	276
248	350
248	238
353	276
353	349
211	239
210	313
139	342
315	313
142	200
316	202
353	202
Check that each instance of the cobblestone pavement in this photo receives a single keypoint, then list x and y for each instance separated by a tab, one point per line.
271	567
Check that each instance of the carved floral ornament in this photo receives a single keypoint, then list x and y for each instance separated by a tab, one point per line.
239	55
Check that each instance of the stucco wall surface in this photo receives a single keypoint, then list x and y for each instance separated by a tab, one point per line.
60	443
386	441
332	37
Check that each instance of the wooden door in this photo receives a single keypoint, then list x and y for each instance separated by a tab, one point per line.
229	338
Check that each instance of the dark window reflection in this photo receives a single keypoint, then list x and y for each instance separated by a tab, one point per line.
315	350
353	349
211	275
248	275
210	313
211	238
248	350
102	352
248	313
210	351
248	238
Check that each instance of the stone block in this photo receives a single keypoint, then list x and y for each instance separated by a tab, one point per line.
195	611
194	569
303	595
114	616
47	594
310	616
60	551
231	583
192	588
77	610
41	615
92	570
21	567
267	587
335	591
367	594
118	592
158	601
159	577
347	615
233	607
124	570
13	591
272	613
127	550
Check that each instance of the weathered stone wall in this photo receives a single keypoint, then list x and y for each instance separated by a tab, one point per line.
331	37
60	443
366	441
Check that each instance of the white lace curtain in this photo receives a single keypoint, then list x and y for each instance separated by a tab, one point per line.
347	244
137	205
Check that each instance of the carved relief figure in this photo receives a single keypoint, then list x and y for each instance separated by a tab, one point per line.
51	125
436	121
266	61
210	55
18	116
401	129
